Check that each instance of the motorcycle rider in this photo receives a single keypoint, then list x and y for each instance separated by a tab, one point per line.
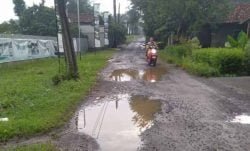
150	43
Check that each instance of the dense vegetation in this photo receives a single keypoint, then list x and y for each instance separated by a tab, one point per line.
33	147
180	18
232	61
33	103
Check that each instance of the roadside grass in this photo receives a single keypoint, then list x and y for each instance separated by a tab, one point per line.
207	62
33	104
33	147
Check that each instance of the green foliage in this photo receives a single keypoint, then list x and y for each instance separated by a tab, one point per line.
240	42
38	20
195	43
200	68
179	50
228	61
183	18
35	20
34	147
117	34
10	27
209	61
33	103
247	59
20	7
84	7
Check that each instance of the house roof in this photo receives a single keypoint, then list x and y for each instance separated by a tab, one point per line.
240	14
84	18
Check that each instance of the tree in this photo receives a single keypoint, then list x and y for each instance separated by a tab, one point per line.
20	7
84	7
70	57
117	33
10	27
38	20
182	18
133	20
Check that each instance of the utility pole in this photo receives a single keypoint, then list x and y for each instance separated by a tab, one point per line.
114	1
79	29
119	13
115	42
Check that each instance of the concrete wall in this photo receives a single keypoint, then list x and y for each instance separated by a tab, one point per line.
102	36
89	31
17	36
84	44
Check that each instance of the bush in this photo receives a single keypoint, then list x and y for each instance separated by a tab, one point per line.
228	61
179	51
247	59
240	42
201	69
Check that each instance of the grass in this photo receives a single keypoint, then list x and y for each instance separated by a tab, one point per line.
34	147
209	61
33	104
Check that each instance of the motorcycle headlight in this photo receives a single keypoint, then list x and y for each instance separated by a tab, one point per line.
154	51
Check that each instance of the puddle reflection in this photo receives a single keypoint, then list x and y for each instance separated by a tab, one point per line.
118	120
242	119
151	74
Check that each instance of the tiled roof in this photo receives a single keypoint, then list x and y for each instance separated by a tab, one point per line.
84	18
240	14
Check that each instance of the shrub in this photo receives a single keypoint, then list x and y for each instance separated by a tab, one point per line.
247	59
228	61
201	69
179	50
240	42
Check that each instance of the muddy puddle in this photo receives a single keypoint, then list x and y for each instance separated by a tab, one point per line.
242	119
153	74
117	122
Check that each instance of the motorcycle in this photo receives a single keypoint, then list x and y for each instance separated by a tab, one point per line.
151	55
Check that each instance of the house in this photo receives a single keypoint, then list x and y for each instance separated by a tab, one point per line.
86	25
238	20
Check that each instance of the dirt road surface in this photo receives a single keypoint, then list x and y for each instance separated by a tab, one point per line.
137	107
162	108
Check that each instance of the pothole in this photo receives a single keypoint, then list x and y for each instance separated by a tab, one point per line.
118	120
150	74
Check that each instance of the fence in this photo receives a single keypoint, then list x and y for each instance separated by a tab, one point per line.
24	49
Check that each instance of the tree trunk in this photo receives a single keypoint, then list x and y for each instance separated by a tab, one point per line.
70	57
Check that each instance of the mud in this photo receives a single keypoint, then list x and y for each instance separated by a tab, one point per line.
173	111
152	74
118	120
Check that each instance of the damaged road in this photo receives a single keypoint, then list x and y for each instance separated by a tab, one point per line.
162	108
136	107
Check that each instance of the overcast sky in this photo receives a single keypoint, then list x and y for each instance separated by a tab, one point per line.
7	13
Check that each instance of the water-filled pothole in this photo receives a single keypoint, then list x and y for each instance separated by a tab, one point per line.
151	74
242	119
117	122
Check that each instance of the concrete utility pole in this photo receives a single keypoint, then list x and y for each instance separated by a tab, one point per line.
119	12
114	1
79	29
115	42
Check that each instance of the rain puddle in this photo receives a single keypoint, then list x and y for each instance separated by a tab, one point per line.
151	74
118	121
242	119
